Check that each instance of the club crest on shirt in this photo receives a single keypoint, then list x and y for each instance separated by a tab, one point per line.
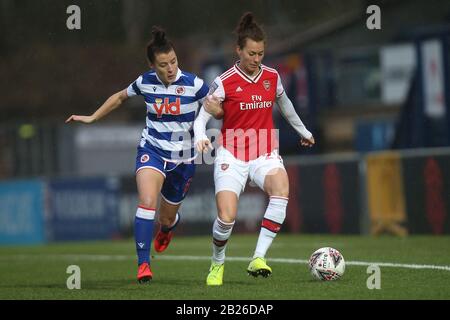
145	158
266	84
224	166
180	90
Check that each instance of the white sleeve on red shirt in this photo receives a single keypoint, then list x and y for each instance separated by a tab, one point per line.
280	88
217	89
200	125
288	112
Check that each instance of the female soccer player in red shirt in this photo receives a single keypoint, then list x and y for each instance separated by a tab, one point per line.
244	96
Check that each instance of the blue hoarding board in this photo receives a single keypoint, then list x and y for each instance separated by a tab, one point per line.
374	135
21	212
83	208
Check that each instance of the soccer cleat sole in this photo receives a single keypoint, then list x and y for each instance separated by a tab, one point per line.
214	284
263	272
144	280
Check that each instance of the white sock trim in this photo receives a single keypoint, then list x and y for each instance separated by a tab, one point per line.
225	224
276	209
145	213
279	197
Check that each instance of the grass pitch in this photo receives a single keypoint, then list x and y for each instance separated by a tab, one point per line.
415	267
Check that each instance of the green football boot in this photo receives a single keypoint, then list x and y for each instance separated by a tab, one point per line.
259	267
215	276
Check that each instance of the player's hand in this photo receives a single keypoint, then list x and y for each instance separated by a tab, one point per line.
204	145
84	119
307	142
213	106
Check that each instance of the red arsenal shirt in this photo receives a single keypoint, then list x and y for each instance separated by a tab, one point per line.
248	130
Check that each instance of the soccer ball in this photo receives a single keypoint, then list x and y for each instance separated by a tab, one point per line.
326	264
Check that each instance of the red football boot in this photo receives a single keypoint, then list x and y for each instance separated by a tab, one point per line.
162	240
144	273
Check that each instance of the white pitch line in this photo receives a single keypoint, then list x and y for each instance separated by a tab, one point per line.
302	261
97	257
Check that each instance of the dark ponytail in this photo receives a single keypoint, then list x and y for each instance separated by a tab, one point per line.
158	44
249	28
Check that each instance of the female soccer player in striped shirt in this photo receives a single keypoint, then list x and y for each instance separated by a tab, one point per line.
164	161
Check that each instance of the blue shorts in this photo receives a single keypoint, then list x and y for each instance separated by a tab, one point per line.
178	176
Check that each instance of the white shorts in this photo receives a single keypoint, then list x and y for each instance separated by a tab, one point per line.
231	174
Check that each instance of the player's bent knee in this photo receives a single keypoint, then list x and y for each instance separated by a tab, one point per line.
227	203
277	185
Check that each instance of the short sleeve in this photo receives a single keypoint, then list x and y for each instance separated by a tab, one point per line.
203	91
134	88
217	89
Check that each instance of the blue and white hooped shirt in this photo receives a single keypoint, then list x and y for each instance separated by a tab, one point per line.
171	112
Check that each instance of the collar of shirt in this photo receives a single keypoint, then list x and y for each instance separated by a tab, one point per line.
251	77
179	74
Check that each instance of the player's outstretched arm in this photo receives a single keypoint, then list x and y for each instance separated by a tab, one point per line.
288	112
202	142
112	103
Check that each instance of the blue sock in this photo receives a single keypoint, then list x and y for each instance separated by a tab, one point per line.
143	233
167	229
